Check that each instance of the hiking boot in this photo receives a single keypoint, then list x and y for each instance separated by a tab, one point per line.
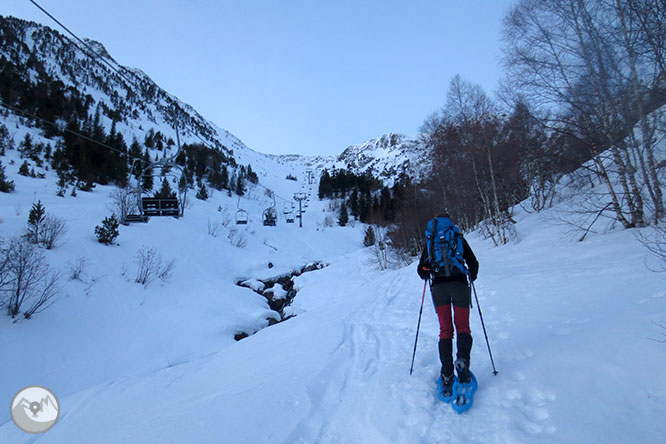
447	385
462	368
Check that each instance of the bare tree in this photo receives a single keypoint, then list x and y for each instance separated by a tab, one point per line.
77	269
123	203
477	171
586	65
151	266
655	242
25	279
381	248
53	229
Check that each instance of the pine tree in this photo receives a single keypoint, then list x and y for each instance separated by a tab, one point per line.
353	203
24	169
369	239
147	181
135	154
364	206
202	193
343	218
62	185
5	140
149	142
225	177
5	185
251	175
165	191
25	147
182	183
108	231
36	220
240	188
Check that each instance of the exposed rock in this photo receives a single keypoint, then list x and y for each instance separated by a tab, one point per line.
279	292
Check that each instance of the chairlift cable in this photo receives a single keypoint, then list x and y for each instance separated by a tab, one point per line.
94	56
91	53
89	139
100	59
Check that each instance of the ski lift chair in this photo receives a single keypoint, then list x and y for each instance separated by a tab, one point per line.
241	217
160	206
270	217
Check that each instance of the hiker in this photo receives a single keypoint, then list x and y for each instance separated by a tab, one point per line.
448	261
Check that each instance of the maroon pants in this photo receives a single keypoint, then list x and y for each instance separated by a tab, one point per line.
452	294
460	320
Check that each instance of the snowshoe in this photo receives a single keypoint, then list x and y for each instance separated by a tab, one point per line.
445	388
464	387
463	393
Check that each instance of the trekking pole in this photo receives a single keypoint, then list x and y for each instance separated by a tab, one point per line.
484	328
418	327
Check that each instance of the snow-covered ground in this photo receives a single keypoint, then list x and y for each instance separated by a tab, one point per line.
573	329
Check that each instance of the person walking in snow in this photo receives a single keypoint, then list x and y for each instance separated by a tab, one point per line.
448	261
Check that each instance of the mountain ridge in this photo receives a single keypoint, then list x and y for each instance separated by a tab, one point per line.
135	102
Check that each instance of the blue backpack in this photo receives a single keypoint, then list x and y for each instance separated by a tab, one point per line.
444	242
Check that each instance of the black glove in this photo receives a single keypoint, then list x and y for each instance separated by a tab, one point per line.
472	277
423	271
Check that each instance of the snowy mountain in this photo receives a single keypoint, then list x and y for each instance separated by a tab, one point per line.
386	158
40	63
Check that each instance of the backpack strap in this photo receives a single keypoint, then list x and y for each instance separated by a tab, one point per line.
433	233
443	245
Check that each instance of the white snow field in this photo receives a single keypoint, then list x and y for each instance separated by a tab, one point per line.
574	329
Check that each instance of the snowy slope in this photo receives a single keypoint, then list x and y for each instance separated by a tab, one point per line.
387	157
570	326
125	92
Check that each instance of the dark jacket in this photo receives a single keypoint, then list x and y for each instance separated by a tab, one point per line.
470	260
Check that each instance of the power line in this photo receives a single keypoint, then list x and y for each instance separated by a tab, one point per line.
95	56
83	136
101	59
65	130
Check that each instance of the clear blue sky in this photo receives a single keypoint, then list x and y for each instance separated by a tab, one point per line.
306	77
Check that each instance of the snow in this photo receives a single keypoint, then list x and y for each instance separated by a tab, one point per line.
276	292
572	327
254	284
